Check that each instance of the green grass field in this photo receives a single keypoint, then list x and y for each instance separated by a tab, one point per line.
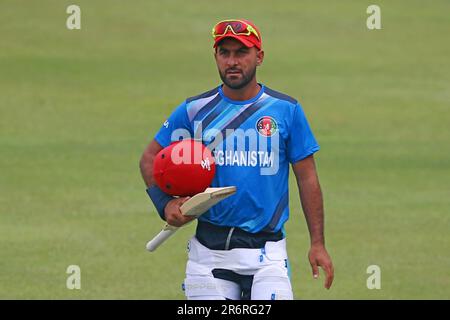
78	107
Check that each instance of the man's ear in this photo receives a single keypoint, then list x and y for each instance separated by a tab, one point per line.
259	57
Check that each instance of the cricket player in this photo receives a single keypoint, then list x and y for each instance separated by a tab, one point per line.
254	132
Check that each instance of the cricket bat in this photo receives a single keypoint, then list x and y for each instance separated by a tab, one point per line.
195	206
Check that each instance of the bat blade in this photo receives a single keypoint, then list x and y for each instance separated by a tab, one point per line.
202	202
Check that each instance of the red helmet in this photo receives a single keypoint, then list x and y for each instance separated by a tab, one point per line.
184	168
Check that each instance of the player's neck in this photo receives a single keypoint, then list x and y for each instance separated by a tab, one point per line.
248	92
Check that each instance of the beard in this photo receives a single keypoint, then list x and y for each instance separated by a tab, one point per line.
237	84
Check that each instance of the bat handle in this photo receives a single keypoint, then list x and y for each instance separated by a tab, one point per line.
165	234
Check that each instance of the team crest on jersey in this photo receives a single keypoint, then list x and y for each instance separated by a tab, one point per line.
266	126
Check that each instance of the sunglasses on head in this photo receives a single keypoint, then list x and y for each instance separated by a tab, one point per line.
237	27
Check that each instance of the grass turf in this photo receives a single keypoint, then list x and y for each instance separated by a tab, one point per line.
78	107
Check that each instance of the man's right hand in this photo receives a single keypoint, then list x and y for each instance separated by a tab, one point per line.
173	215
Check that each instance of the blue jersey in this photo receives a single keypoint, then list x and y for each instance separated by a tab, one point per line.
253	142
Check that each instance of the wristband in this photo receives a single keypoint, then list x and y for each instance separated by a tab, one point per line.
159	199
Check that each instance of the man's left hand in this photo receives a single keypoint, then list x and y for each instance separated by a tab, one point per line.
318	257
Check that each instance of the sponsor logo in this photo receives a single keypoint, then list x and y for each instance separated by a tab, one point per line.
206	164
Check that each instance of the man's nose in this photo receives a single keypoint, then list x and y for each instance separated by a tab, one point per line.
232	61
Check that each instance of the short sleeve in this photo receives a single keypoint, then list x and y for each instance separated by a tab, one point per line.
176	126
301	142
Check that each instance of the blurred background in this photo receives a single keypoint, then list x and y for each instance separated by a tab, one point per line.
77	108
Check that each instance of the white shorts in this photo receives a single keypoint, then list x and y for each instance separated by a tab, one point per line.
267	266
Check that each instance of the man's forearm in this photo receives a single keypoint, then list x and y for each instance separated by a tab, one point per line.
146	166
146	163
158	197
312	204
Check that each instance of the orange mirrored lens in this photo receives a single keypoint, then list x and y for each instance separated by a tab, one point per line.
235	26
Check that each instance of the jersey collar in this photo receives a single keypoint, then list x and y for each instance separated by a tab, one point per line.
224	97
